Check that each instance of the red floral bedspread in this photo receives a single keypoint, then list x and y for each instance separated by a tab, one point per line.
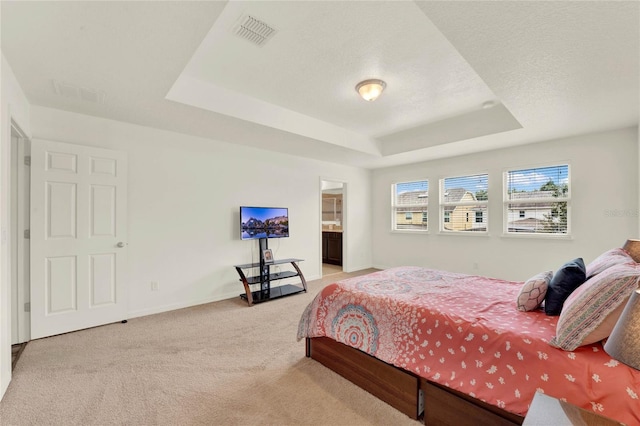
464	332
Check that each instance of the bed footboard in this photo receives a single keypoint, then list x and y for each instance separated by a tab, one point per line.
405	391
447	407
396	387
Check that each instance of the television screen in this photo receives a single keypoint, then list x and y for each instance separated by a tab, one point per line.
264	222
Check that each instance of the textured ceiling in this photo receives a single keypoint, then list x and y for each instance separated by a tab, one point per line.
552	69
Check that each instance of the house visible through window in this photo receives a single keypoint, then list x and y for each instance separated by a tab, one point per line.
463	203
538	200
410	201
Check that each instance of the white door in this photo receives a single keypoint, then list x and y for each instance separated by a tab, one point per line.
78	237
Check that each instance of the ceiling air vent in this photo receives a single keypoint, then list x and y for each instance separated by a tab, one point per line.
253	30
92	95
65	89
69	90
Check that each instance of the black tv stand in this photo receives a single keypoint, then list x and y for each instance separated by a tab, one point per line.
265	291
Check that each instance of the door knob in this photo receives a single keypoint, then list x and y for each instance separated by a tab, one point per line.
120	244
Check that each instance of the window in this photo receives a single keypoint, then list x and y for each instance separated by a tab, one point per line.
409	206
461	199
537	200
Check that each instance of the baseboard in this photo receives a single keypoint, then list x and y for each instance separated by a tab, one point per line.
189	303
312	278
180	305
357	268
383	267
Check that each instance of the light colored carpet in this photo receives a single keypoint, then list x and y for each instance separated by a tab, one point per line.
222	363
328	269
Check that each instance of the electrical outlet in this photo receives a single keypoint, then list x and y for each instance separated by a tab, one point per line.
475	265
155	286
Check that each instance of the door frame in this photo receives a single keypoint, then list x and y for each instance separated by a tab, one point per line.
19	222
344	221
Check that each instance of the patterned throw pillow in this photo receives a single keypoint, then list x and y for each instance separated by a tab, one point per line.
533	291
606	260
593	309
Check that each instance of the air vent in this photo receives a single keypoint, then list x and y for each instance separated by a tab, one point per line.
253	30
69	90
92	95
65	89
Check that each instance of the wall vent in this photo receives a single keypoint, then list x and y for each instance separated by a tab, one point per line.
253	30
92	95
65	89
69	90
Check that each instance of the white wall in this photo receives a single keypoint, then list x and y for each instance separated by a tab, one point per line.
605	191
13	106
184	195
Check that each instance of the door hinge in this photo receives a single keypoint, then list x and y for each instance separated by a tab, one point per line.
27	234
27	307
27	160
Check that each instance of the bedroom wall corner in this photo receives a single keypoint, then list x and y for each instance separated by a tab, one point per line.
15	107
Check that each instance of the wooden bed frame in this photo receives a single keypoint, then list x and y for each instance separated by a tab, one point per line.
414	396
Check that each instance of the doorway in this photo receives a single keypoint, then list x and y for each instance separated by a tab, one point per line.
19	220
332	226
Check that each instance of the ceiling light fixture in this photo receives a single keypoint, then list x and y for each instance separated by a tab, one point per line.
370	89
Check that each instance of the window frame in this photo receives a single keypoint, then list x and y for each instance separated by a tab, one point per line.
447	217
516	203
420	208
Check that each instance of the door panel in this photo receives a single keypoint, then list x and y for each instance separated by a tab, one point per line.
78	217
103	279
61	284
103	211
61	210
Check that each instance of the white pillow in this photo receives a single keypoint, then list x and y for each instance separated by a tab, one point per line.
533	291
606	260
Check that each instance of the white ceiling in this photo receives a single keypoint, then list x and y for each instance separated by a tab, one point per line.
551	69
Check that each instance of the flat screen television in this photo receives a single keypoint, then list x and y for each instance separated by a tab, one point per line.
264	222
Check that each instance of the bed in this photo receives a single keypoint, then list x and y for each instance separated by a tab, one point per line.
453	349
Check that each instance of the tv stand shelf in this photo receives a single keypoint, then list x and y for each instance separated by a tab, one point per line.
265	291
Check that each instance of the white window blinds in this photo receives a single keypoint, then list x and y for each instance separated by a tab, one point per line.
409	206
463	203
537	200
